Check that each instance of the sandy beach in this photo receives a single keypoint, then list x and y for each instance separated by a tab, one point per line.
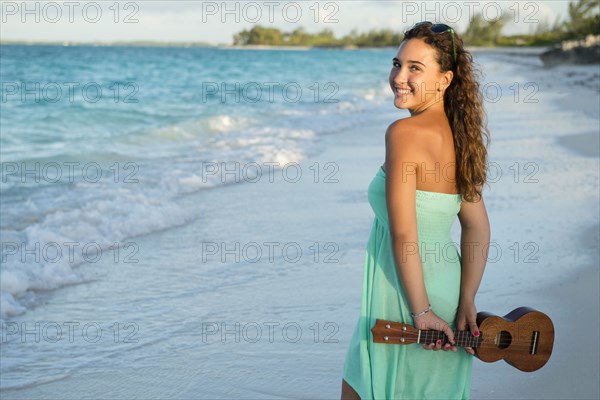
212	326
572	300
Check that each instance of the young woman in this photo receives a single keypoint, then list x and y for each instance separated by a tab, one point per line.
434	170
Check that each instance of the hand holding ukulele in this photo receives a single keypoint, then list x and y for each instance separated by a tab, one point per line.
524	338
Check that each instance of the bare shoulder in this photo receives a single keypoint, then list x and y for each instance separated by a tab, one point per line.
402	145
400	125
401	131
418	129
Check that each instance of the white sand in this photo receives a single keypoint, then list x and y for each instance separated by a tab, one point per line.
572	300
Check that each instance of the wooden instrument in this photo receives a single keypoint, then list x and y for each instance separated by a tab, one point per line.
523	338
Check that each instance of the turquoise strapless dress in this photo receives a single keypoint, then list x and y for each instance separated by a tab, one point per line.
387	371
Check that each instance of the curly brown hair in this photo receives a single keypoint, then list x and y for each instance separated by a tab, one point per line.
463	105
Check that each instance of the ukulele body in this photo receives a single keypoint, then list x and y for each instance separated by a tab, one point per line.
523	338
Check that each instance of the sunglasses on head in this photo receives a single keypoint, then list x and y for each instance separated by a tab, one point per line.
440	28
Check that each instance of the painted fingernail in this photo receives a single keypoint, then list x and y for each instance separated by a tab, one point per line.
453	341
439	342
476	333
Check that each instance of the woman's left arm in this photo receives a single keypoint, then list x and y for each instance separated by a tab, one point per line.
474	244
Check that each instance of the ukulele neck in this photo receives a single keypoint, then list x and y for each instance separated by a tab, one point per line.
463	338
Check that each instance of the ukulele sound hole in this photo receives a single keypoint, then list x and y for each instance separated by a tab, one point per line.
503	339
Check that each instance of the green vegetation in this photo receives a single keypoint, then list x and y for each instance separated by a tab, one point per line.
483	33
260	35
584	19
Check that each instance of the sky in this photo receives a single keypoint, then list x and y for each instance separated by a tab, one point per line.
216	22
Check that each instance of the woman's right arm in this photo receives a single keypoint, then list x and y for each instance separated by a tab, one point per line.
403	153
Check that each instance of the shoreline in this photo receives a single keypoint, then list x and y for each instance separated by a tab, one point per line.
521	51
513	50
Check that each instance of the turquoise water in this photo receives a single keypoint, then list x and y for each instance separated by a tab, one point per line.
145	89
98	142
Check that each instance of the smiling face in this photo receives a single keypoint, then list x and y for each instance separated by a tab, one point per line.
415	77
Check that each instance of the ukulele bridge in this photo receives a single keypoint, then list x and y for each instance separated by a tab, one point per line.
534	342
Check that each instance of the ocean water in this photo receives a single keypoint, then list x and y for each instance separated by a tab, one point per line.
98	142
107	198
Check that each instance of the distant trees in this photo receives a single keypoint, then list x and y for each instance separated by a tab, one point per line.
485	33
260	35
583	19
374	37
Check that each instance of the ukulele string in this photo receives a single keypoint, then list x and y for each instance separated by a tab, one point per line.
508	343
484	344
435	335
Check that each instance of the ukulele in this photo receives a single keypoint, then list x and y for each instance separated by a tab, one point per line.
523	338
